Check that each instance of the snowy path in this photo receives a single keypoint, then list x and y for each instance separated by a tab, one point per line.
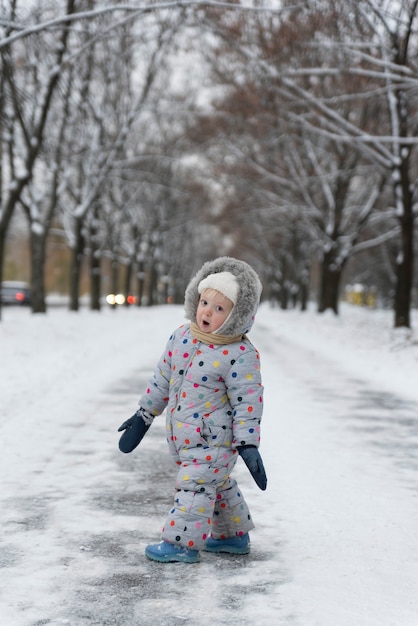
346	465
335	543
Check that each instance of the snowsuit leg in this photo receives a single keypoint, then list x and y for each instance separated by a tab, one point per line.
217	509
231	516
206	496
189	522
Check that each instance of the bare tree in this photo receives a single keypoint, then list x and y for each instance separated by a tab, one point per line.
341	74
27	92
114	96
313	121
377	41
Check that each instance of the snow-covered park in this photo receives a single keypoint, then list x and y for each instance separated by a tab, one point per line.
336	540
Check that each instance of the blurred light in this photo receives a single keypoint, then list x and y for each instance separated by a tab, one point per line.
119	298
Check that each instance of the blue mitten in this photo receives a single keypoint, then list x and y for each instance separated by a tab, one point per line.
254	462
135	429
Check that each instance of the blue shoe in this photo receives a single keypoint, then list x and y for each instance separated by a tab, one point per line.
165	552
232	545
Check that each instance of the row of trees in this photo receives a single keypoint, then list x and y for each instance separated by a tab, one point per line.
158	135
333	152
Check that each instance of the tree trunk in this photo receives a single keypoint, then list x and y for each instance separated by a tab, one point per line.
95	275
284	296
128	278
284	290
2	246
330	283
140	276
404	271
152	284
303	296
95	281
77	258
405	262
37	251
6	215
304	288
115	276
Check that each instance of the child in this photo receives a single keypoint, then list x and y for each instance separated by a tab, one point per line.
209	380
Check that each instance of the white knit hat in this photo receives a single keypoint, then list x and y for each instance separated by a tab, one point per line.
224	282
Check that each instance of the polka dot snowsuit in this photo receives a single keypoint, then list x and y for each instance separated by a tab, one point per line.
213	399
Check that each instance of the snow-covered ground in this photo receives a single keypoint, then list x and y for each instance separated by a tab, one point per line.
335	542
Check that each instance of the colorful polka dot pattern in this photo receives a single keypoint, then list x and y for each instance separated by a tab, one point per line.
213	397
213	394
194	516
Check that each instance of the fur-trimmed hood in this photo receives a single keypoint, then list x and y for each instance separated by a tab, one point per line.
243	313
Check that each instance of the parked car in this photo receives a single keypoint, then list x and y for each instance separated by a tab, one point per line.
15	292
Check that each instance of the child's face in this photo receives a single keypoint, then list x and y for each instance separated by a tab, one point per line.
212	310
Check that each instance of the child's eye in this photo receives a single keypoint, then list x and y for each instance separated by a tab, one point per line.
220	308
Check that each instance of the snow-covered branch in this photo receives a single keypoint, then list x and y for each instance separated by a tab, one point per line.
376	241
134	9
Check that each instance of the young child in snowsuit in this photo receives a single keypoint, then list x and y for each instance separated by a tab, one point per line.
208	380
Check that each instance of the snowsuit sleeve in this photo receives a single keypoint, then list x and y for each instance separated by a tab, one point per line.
156	396
245	393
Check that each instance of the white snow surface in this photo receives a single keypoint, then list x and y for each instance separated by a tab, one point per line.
336	540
